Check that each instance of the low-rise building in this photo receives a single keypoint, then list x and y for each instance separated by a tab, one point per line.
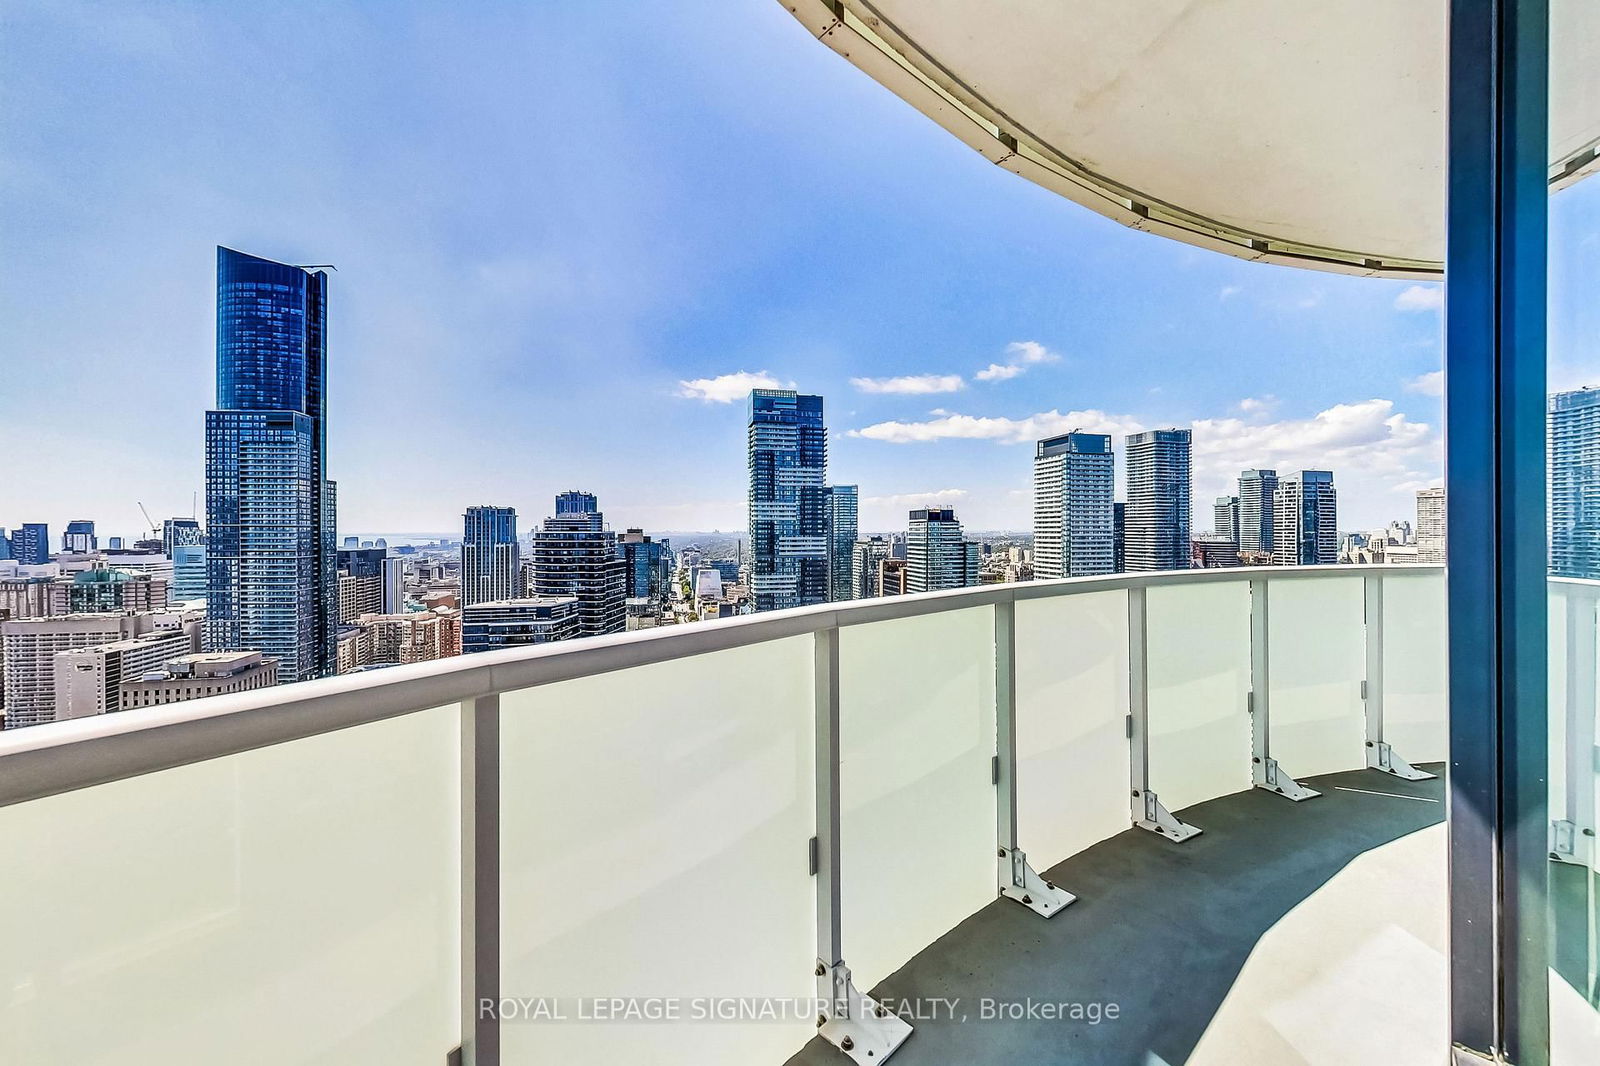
88	681
190	677
893	577
29	646
496	624
1213	551
414	637
350	649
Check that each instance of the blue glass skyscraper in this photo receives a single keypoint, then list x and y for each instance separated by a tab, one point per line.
176	531
270	508
80	537
1574	463
648	566
841	507
788	460
577	502
31	543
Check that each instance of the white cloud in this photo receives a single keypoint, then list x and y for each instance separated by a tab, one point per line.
1257	405
1228	292
999	372
1429	384
727	388
916	499
1019	356
1373	451
1001	430
911	385
879	513
1030	352
1420	298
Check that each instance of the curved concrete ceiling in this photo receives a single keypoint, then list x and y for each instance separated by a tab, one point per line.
1311	134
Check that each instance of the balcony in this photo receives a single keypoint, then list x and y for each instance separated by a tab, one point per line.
894	797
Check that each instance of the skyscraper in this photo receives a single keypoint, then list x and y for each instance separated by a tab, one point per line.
574	502
270	508
176	531
840	508
1225	519
1156	526
393	573
79	537
360	562
1072	513
788	458
865	555
490	555
30	545
1430	525
184	542
938	555
1305	520
1255	510
1119	538
574	554
1574	452
188	572
648	566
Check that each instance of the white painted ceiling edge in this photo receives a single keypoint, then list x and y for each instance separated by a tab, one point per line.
1307	134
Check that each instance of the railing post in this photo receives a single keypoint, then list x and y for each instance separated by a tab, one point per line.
480	881
1148	811
1380	756
1016	877
1264	769
847	1019
1572	836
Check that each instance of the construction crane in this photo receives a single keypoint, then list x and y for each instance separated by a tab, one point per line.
155	530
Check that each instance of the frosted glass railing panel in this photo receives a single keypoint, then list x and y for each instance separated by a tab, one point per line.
1556	720
1198	641
1416	666
917	826
1317	645
1574	645
654	825
294	904
1072	739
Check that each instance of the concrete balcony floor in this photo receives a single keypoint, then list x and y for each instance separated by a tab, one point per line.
1309	933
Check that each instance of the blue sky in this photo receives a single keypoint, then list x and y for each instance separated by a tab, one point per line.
560	228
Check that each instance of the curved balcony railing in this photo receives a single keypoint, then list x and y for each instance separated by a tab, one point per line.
491	851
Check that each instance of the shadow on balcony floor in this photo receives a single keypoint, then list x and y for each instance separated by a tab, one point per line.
1164	930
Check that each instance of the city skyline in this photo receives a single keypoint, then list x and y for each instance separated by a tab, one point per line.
1067	314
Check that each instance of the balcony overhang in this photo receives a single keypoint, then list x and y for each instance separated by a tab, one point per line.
1302	134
